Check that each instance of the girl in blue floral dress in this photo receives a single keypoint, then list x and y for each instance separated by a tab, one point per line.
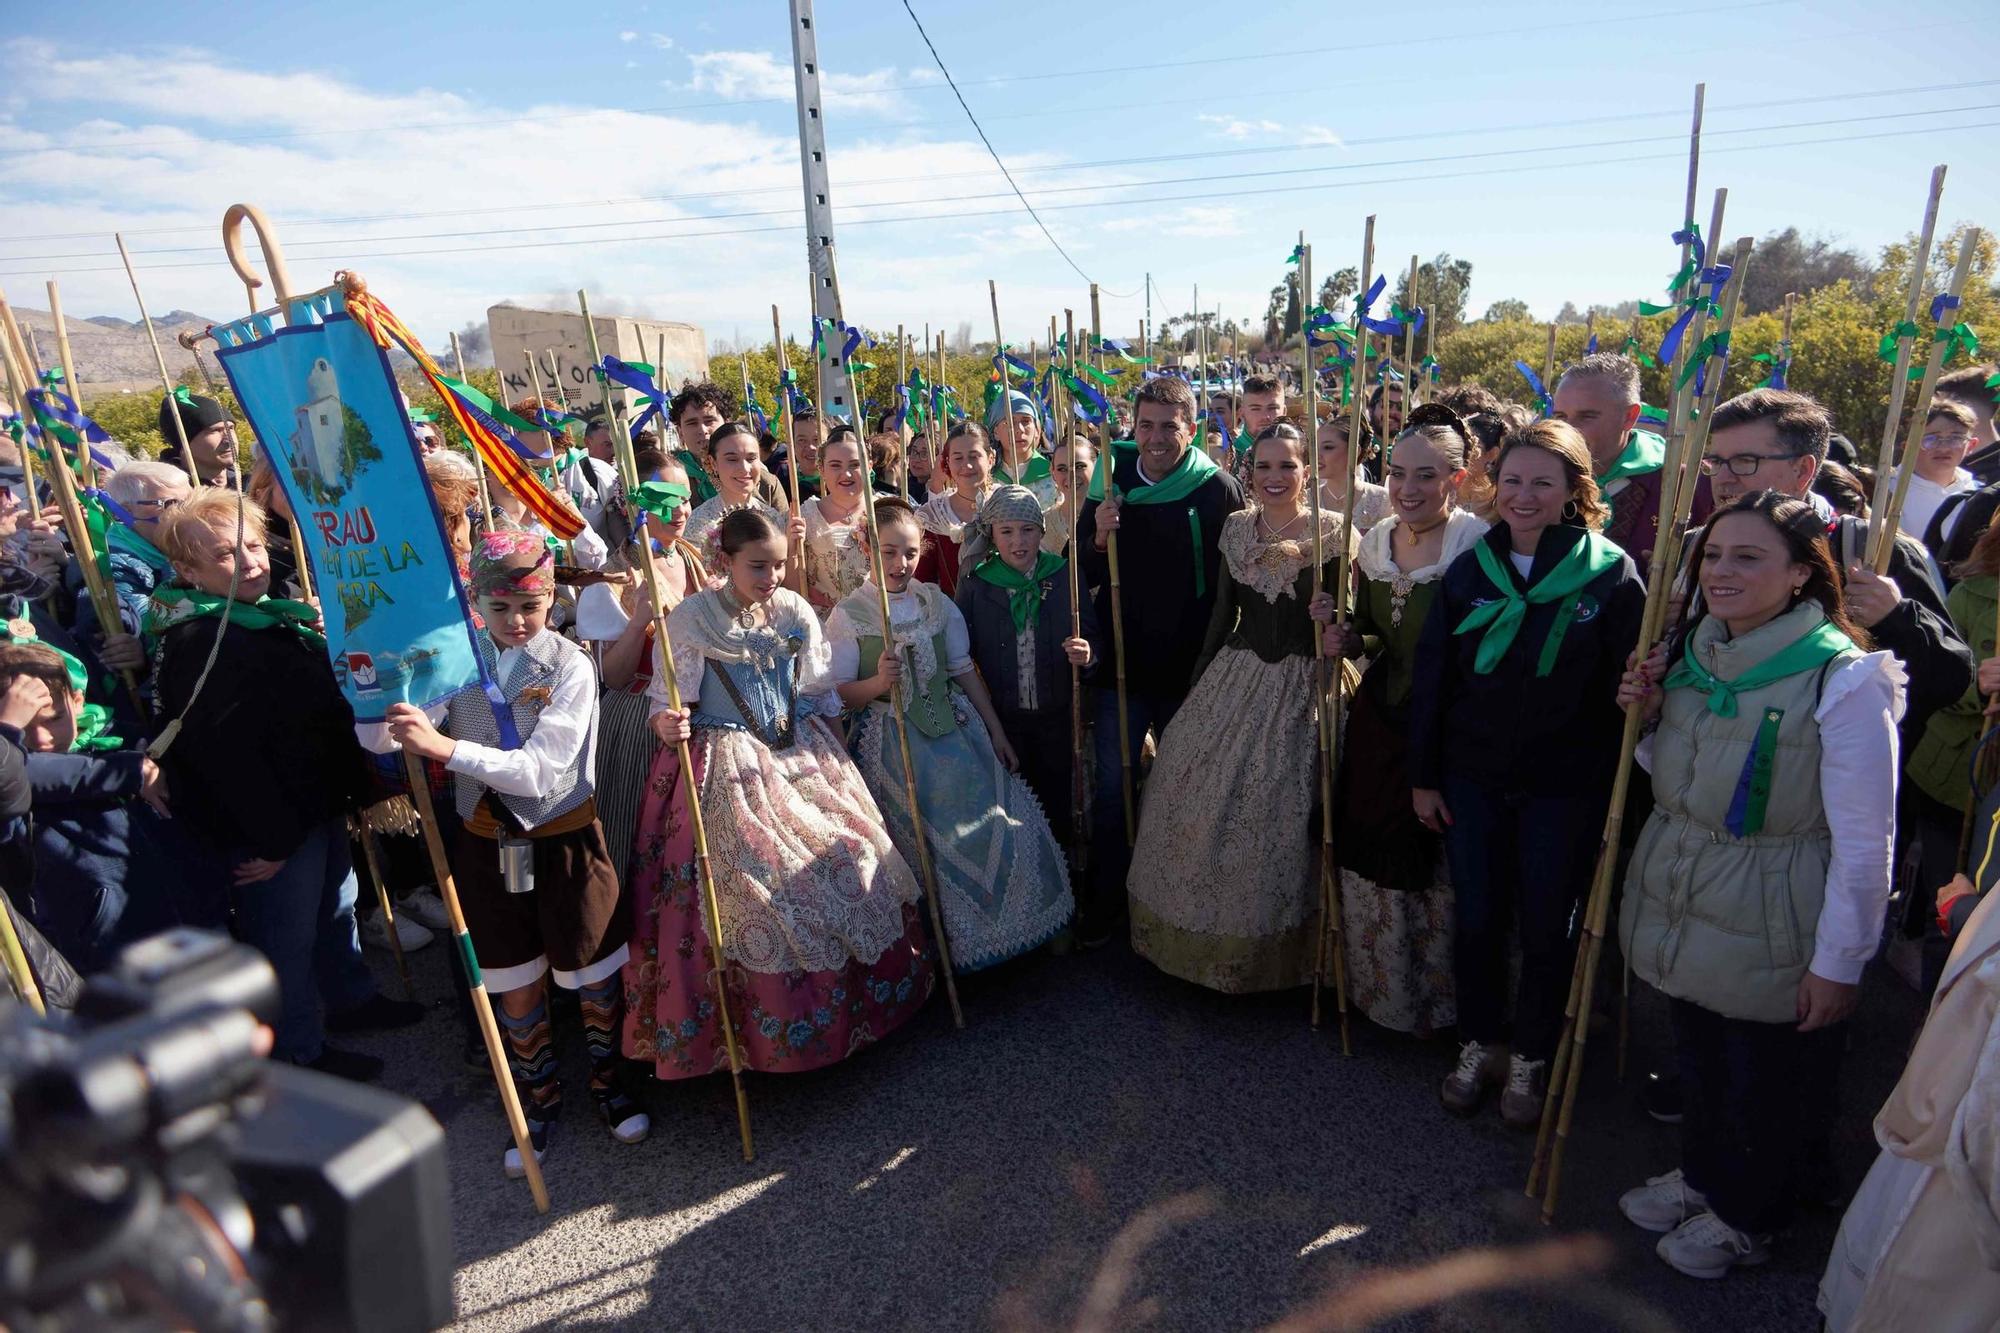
821	940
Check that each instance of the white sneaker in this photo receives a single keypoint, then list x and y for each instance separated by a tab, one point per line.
1527	1089
426	907
538	1139
1706	1246
1479	1065
375	932
1662	1203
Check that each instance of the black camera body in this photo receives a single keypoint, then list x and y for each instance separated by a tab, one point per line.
156	1171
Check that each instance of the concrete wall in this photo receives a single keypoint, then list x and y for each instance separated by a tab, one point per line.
516	332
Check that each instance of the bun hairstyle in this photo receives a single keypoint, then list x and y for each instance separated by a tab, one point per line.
1804	534
1443	429
727	429
893	509
1560	440
740	527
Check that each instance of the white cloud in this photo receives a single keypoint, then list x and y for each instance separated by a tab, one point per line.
660	41
740	75
628	36
1194	220
1232	127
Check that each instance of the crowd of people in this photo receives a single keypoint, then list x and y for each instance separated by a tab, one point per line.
1052	692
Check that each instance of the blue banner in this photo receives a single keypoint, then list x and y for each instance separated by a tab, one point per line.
324	405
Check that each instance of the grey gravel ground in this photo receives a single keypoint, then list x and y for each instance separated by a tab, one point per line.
975	1179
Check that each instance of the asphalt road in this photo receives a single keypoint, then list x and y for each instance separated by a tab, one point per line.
978	1179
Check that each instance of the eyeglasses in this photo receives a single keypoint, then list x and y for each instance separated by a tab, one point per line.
162	505
1951	441
1741	465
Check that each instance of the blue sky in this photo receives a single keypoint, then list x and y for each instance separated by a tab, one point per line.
458	155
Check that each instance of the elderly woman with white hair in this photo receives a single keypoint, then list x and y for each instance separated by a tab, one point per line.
138	496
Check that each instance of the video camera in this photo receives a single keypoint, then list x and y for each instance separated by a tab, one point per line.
157	1172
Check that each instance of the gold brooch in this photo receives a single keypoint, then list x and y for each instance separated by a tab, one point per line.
538	695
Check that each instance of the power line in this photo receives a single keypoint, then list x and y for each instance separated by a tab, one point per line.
1289	53
1228	179
693	197
1094	203
995	154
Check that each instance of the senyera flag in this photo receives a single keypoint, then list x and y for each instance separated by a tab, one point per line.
324	404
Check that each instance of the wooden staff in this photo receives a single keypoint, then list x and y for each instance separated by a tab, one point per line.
71	385
371	855
1108	460
1549	367
1690	428
743	364
166	380
1885	465
1409	350
555	374
1076	789
798	569
482	1002
1882	533
478	461
628	467
903	417
1331	937
281	283
17	348
1201	373
16	959
1431	324
103	599
1006	384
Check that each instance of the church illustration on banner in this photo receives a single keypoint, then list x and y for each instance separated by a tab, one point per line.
330	441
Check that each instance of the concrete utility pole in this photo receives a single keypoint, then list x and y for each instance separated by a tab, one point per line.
837	395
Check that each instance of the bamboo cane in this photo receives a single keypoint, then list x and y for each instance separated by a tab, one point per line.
1883	531
555	374
1109	463
798	569
1549	364
478	462
1333	930
1201	366
628	468
18	349
16	959
166	380
1885	465
1545	1176
102	598
1409	350
1072	557
371	855
71	385
903	417
1681	468
1006	385
482	1001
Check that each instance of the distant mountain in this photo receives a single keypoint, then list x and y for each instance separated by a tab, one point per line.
112	354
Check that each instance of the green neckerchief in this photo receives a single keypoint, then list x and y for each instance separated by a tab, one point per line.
118	537
704	489
1024	591
1809	652
1565	582
1644	452
1243	441
93	721
173	605
1036	470
1194	468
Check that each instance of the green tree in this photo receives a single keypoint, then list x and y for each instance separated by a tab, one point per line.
1442	284
1510	311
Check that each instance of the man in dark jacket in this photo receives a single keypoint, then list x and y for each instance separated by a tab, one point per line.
1774	440
1166	502
266	766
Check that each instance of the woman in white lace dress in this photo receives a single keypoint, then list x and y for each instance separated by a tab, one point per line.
821	940
1224	879
835	561
1371	502
733	458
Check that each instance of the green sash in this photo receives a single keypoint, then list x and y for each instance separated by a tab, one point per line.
1809	652
1024	591
1644	452
704	489
1036	470
118	537
173	605
1194	468
1501	620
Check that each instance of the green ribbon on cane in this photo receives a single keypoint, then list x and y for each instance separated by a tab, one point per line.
1886	350
661	499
